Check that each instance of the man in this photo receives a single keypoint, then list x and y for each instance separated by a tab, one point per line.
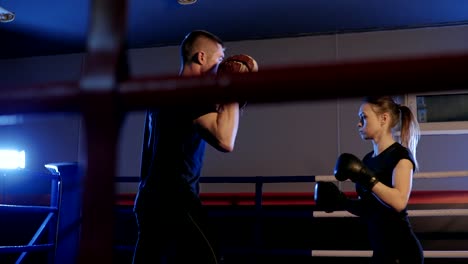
170	217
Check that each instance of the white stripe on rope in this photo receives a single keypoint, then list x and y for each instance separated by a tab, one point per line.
419	175
341	253
439	212
368	253
325	178
441	174
445	254
414	213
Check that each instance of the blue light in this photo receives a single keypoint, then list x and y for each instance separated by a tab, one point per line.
12	159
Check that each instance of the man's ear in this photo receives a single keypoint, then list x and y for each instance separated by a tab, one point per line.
199	57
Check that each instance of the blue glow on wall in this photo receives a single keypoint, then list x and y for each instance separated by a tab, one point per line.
12	159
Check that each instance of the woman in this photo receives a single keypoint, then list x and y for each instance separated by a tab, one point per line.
384	181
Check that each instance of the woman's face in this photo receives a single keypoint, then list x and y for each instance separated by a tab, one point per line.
369	125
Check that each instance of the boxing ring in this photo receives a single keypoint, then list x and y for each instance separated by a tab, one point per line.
106	92
421	197
257	207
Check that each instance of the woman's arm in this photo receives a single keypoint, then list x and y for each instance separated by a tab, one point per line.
397	196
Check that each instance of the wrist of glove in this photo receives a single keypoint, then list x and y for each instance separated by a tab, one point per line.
366	179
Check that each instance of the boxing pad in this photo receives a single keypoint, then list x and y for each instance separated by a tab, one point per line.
240	63
328	197
351	167
237	64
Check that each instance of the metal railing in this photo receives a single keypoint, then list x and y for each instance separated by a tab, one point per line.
49	225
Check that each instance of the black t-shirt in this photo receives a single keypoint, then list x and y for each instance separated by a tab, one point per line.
390	232
173	152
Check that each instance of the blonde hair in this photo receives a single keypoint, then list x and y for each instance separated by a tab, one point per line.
402	117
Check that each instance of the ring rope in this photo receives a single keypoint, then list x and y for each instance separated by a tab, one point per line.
419	175
411	213
368	253
442	174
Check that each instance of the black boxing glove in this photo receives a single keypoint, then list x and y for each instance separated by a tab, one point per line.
328	197
350	167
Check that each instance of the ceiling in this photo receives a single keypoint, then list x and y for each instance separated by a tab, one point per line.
49	27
